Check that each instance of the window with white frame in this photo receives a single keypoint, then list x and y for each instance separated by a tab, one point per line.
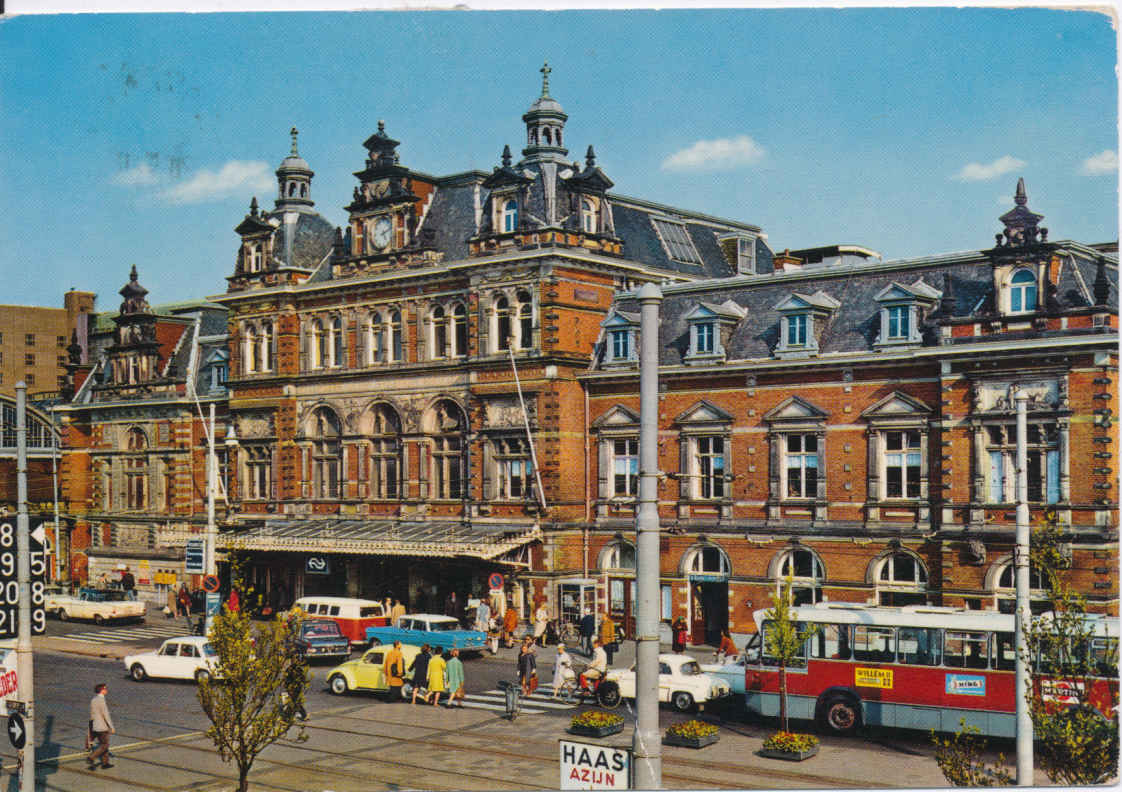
510	215
502	324
1043	468
252	350
396	340
801	465
438	333
588	216
802	317
136	470
327	454
899	322
709	455
525	320
620	344
625	467
706	559
376	340
705	454
617	555
901	579
385	454
265	347
704	338
796	330
460	331
902	463
321	350
448	426
338	354
804	569
902	310
514	469
620	330
1005	590
258	472
1022	292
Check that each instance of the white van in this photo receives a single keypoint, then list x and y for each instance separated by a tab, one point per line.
352	615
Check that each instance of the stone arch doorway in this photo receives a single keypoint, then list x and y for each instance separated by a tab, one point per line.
707	568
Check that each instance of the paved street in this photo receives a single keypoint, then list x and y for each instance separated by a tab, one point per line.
359	742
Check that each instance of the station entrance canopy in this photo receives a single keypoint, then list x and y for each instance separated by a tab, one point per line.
428	538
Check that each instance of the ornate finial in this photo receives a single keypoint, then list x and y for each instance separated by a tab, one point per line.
1020	198
506	156
253	207
132	273
381	127
590	158
545	70
294	132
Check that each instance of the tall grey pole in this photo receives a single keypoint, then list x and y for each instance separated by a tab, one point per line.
210	548
54	482
647	742
1021	582
24	664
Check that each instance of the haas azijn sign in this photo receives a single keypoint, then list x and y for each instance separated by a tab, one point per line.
591	766
9	580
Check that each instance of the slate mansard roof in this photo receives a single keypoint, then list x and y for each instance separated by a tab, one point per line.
855	325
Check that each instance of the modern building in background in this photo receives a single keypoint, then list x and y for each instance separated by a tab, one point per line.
34	340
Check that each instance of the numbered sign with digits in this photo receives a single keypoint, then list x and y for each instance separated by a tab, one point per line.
9	581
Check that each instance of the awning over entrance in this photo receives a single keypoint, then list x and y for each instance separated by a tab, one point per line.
431	538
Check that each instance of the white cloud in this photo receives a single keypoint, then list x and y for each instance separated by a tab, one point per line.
140	176
236	176
1104	162
719	153
976	171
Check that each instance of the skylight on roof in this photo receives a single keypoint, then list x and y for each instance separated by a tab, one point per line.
676	241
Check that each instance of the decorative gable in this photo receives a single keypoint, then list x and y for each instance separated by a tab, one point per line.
795	410
897	407
704	412
803	319
618	417
711	327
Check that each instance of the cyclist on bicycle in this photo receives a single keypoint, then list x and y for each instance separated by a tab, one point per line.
562	671
599	665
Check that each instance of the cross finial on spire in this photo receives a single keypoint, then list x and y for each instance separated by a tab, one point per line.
294	132
545	70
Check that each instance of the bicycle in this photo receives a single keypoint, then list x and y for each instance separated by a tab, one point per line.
567	633
513	692
576	688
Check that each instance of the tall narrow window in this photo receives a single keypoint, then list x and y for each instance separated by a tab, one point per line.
711	467
252	350
1043	469
899	325
625	467
459	318
136	471
703	338
439	333
327	454
502	323
902	464
510	215
338	353
588	216
259	472
1022	292
319	344
525	320
396	341
448	427
796	330
376	337
265	347
385	454
514	470
621	345
802	466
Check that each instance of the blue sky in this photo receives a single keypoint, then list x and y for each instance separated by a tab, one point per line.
140	139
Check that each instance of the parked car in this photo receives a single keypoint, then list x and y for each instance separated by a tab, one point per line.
352	615
320	638
681	682
443	632
101	605
189	657
366	672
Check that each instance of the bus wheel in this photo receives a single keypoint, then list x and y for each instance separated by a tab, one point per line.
839	715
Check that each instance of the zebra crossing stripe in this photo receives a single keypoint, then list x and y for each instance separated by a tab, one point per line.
534	700
469	703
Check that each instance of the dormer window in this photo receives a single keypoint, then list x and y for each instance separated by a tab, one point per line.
620	329
711	327
588	216
802	317
621	344
899	322
902	309
510	215
1022	292
796	330
740	251
703	338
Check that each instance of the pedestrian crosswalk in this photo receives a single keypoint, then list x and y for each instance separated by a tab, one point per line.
537	703
169	628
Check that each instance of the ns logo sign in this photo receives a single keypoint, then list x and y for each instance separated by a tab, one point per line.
317	565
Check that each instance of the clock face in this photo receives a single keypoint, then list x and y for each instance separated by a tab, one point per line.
382	230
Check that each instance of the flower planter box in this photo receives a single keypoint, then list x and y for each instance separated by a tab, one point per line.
596	731
789	756
689	742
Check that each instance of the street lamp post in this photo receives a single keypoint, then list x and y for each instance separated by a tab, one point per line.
1021	584
210	564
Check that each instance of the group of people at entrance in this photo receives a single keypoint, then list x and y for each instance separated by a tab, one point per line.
433	672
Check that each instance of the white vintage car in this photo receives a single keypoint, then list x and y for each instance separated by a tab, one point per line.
100	605
681	682
189	657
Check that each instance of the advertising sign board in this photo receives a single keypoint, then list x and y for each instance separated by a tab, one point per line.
592	766
9	580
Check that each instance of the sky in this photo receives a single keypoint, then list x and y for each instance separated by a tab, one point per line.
141	138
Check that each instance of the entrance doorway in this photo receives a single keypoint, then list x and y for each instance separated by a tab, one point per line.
710	610
621	602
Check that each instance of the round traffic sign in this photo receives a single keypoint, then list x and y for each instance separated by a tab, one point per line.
16	731
495	581
210	583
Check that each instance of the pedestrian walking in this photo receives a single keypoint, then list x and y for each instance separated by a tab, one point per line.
587	630
527	667
455	676
128	582
436	670
483	616
173	603
562	670
493	633
608	636
393	669
510	624
420	669
101	725
185	603
541	619
679	630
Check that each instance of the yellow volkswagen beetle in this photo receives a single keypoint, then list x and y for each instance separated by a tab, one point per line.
366	672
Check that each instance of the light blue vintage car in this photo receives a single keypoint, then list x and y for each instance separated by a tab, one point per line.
442	632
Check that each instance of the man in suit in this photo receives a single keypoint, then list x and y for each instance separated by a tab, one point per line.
587	630
101	725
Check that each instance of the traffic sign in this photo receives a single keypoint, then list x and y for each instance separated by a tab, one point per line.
9	580
16	732
210	583
194	560
495	581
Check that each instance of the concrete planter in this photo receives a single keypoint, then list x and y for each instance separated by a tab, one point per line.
689	742
788	756
596	731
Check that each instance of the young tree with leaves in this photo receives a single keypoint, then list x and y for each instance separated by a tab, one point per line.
260	685
783	640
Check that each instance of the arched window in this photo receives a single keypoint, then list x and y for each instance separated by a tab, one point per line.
587	216
136	470
338	354
546	136
303	191
1005	590
459	319
319	344
447	426
1022	292
135	440
438	333
617	555
510	215
251	349
385	454
502	324
396	344
265	347
327	453
376	340
291	189
901	579
706	559
804	569
525	321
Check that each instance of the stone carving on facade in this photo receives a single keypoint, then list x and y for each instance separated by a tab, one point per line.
975	552
999	396
506	413
254	425
132	535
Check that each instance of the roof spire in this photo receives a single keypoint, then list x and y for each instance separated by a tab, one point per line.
506	156
253	207
545	70
590	158
1021	199
381	127
294	132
